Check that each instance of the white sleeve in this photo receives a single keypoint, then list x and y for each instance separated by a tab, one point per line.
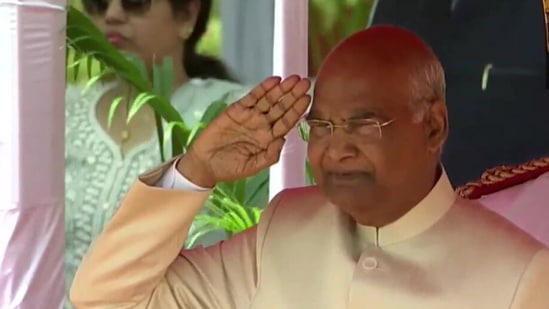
173	179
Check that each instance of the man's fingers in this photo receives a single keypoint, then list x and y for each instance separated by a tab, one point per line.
300	88
259	91
291	117
276	109
272	97
288	100
273	151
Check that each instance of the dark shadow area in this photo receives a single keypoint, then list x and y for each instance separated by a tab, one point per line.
494	53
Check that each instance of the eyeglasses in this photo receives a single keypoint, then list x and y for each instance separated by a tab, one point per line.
130	6
367	129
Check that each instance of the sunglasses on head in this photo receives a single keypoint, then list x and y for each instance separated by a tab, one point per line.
99	7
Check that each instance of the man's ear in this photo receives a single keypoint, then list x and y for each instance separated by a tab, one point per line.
437	126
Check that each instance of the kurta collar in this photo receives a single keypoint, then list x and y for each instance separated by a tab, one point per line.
424	215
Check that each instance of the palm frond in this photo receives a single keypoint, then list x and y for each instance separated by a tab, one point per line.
232	207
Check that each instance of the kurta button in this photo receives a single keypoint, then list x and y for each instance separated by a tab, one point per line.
369	263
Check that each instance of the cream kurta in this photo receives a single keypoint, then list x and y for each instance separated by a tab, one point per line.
446	253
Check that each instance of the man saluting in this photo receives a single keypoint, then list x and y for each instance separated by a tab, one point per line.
383	228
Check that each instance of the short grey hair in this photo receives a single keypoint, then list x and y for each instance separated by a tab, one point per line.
428	84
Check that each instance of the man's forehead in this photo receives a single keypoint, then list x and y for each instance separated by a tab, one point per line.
385	40
375	50
342	106
369	72
344	114
387	85
356	97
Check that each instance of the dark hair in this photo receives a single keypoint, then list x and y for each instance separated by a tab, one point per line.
196	65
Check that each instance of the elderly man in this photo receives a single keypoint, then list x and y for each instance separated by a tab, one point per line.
383	228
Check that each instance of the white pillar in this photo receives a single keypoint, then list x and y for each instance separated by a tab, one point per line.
290	56
32	86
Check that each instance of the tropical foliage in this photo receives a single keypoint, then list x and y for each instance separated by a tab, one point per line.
330	21
232	206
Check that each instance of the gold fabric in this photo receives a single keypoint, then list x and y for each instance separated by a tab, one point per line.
446	253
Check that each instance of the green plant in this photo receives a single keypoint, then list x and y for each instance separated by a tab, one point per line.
330	21
231	207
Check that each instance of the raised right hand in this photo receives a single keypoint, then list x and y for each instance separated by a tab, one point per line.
249	135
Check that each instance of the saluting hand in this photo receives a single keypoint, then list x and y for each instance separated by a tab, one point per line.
248	136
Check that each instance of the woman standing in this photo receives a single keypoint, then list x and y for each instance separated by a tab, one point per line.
102	160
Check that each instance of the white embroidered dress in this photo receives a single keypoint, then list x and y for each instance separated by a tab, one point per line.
97	176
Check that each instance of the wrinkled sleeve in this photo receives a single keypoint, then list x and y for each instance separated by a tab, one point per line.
137	263
533	289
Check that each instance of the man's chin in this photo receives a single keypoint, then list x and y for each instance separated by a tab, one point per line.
345	196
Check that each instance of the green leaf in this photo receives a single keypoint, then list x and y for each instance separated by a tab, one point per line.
213	111
303	131
360	12
112	109
258	189
229	215
242	214
193	238
167	77
168	132
138	63
238	222
160	135
309	174
212	222
89	66
240	190
194	134
92	82
140	101
157	79
75	64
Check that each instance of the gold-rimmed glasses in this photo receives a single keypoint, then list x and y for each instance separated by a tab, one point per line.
369	129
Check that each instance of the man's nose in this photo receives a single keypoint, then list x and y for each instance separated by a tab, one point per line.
340	146
115	12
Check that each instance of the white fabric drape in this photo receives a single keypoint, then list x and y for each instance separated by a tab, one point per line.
32	75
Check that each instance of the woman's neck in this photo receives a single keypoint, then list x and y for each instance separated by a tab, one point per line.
180	77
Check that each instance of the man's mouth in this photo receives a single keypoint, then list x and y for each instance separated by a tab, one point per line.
347	178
